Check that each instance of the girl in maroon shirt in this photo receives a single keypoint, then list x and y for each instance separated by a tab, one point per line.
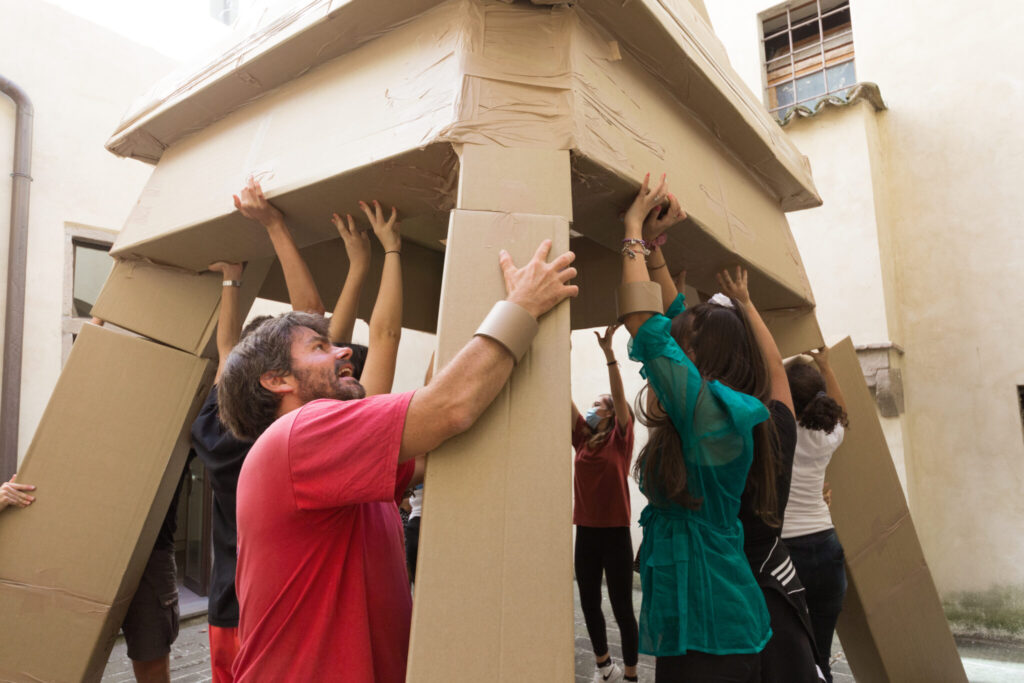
603	440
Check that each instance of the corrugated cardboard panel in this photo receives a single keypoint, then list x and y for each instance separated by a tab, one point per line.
515	188
494	572
106	459
795	330
328	263
171	305
893	620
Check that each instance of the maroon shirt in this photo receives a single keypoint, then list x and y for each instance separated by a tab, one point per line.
602	493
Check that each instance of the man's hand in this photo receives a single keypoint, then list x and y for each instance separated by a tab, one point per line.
661	218
820	357
385	230
735	286
643	206
13	493
605	342
252	204
539	286
357	242
228	271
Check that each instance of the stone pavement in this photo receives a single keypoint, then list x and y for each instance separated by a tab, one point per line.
986	662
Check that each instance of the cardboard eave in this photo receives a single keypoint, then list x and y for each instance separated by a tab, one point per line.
672	40
282	50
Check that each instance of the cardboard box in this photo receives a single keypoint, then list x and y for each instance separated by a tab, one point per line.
626	89
892	627
106	460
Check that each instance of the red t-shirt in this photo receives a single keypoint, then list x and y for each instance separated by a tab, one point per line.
602	494
321	577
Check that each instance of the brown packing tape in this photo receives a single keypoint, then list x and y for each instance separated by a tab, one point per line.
117	423
893	627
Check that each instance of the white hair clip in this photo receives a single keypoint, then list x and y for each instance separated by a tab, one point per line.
720	299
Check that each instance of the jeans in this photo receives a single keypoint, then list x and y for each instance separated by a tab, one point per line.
818	559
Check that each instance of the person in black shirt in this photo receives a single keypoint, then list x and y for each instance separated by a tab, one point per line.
790	656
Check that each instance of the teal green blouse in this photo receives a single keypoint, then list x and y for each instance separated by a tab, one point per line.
699	592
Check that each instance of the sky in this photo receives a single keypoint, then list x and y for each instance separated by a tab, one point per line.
180	29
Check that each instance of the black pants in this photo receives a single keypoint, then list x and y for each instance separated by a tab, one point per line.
607	551
818	559
699	667
412	545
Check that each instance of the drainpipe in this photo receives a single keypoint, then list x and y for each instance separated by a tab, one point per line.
14	315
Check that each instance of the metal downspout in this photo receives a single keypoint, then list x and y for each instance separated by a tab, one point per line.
14	315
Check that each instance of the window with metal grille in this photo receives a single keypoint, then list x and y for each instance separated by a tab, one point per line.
808	54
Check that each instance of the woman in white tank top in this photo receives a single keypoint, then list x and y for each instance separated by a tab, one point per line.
807	527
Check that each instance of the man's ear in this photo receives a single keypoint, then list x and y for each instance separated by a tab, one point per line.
277	383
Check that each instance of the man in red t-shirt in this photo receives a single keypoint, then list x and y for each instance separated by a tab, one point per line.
321	573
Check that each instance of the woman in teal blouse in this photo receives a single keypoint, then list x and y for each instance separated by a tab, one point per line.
703	615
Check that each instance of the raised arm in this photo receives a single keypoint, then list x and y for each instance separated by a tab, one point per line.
634	265
659	220
832	387
618	392
575	415
357	247
735	286
229	322
460	393
301	289
386	319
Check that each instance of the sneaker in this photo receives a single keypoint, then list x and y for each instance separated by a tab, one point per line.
608	674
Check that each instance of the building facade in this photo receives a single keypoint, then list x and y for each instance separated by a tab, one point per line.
916	252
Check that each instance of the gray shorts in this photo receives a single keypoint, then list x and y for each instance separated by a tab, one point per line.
151	624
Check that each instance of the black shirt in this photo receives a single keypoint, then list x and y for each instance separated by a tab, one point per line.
223	456
758	537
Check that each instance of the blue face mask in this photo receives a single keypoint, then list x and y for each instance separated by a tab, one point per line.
592	418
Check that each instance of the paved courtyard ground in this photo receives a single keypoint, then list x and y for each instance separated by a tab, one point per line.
986	662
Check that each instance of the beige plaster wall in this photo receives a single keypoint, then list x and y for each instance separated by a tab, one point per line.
81	79
947	204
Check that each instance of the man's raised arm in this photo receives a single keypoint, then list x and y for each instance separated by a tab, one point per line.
460	393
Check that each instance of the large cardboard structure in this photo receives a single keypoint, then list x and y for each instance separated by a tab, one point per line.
489	125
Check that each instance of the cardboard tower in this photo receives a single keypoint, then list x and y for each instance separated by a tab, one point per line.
489	125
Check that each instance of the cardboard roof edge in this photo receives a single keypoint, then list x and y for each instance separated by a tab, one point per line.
654	31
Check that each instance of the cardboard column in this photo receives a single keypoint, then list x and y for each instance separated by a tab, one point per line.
892	626
494	573
106	460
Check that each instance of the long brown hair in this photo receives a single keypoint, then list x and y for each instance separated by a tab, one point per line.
724	348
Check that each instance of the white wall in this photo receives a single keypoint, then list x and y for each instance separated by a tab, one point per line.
81	79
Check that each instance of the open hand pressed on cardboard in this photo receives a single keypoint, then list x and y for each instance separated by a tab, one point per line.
735	285
252	204
13	493
539	286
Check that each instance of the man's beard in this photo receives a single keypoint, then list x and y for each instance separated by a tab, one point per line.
318	385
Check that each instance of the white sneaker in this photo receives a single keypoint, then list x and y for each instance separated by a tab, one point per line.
608	674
